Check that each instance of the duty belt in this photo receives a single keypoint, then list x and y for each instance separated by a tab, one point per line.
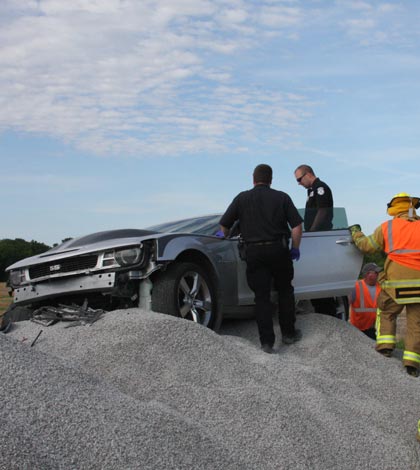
269	242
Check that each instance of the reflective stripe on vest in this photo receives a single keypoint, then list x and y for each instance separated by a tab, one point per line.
363	308
402	242
361	292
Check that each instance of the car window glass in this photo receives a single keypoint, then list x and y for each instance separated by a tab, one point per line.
207	225
339	218
201	226
210	228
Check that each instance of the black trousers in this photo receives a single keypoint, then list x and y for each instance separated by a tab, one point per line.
268	265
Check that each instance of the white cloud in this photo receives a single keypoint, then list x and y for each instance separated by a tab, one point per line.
157	77
376	22
358	5
280	16
361	24
105	74
234	16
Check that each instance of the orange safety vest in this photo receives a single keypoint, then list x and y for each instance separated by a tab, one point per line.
363	309
402	242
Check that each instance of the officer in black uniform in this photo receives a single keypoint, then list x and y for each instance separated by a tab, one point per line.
318	217
267	219
319	204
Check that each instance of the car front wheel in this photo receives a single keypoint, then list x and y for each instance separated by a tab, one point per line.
185	290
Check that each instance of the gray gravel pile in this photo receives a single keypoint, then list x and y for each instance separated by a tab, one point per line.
140	390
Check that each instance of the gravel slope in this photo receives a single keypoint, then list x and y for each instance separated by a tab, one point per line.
140	390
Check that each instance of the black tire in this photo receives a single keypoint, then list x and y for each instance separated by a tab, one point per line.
185	290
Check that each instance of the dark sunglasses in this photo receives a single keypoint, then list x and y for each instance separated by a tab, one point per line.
300	178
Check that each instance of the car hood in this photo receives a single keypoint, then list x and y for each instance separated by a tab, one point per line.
98	241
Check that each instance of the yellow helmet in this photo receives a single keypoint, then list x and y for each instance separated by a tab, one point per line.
404	197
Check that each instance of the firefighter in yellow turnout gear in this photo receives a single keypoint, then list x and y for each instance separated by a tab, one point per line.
399	238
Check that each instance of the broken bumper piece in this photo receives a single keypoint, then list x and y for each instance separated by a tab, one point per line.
71	285
77	315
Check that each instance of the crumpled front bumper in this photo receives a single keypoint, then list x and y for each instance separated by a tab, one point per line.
66	286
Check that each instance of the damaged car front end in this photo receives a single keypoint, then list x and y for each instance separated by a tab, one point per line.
171	269
86	267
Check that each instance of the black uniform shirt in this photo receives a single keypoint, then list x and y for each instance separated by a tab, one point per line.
319	196
264	214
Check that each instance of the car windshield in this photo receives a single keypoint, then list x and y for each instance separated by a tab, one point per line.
206	225
209	224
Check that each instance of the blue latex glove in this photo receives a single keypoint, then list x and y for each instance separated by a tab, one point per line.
219	234
295	253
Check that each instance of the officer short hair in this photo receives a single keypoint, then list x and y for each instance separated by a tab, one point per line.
263	174
305	169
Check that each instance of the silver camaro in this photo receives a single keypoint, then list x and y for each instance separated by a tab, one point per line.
180	268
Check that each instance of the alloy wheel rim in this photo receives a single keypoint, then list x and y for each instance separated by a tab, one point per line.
194	298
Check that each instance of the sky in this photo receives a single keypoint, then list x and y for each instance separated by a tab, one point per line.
128	113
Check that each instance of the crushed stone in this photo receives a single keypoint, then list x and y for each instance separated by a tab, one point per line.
142	390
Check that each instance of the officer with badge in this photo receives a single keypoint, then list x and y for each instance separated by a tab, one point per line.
319	205
318	216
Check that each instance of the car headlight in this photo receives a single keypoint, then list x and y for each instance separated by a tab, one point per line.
17	277
124	257
128	256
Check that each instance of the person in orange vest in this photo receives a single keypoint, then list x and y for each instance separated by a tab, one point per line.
399	238
363	300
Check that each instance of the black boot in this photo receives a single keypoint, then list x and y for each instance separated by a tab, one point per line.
385	352
413	371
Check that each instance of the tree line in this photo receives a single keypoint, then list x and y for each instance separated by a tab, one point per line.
15	250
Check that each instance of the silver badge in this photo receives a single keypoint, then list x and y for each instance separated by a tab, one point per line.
320	191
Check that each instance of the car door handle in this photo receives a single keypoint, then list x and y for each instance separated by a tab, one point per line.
344	241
